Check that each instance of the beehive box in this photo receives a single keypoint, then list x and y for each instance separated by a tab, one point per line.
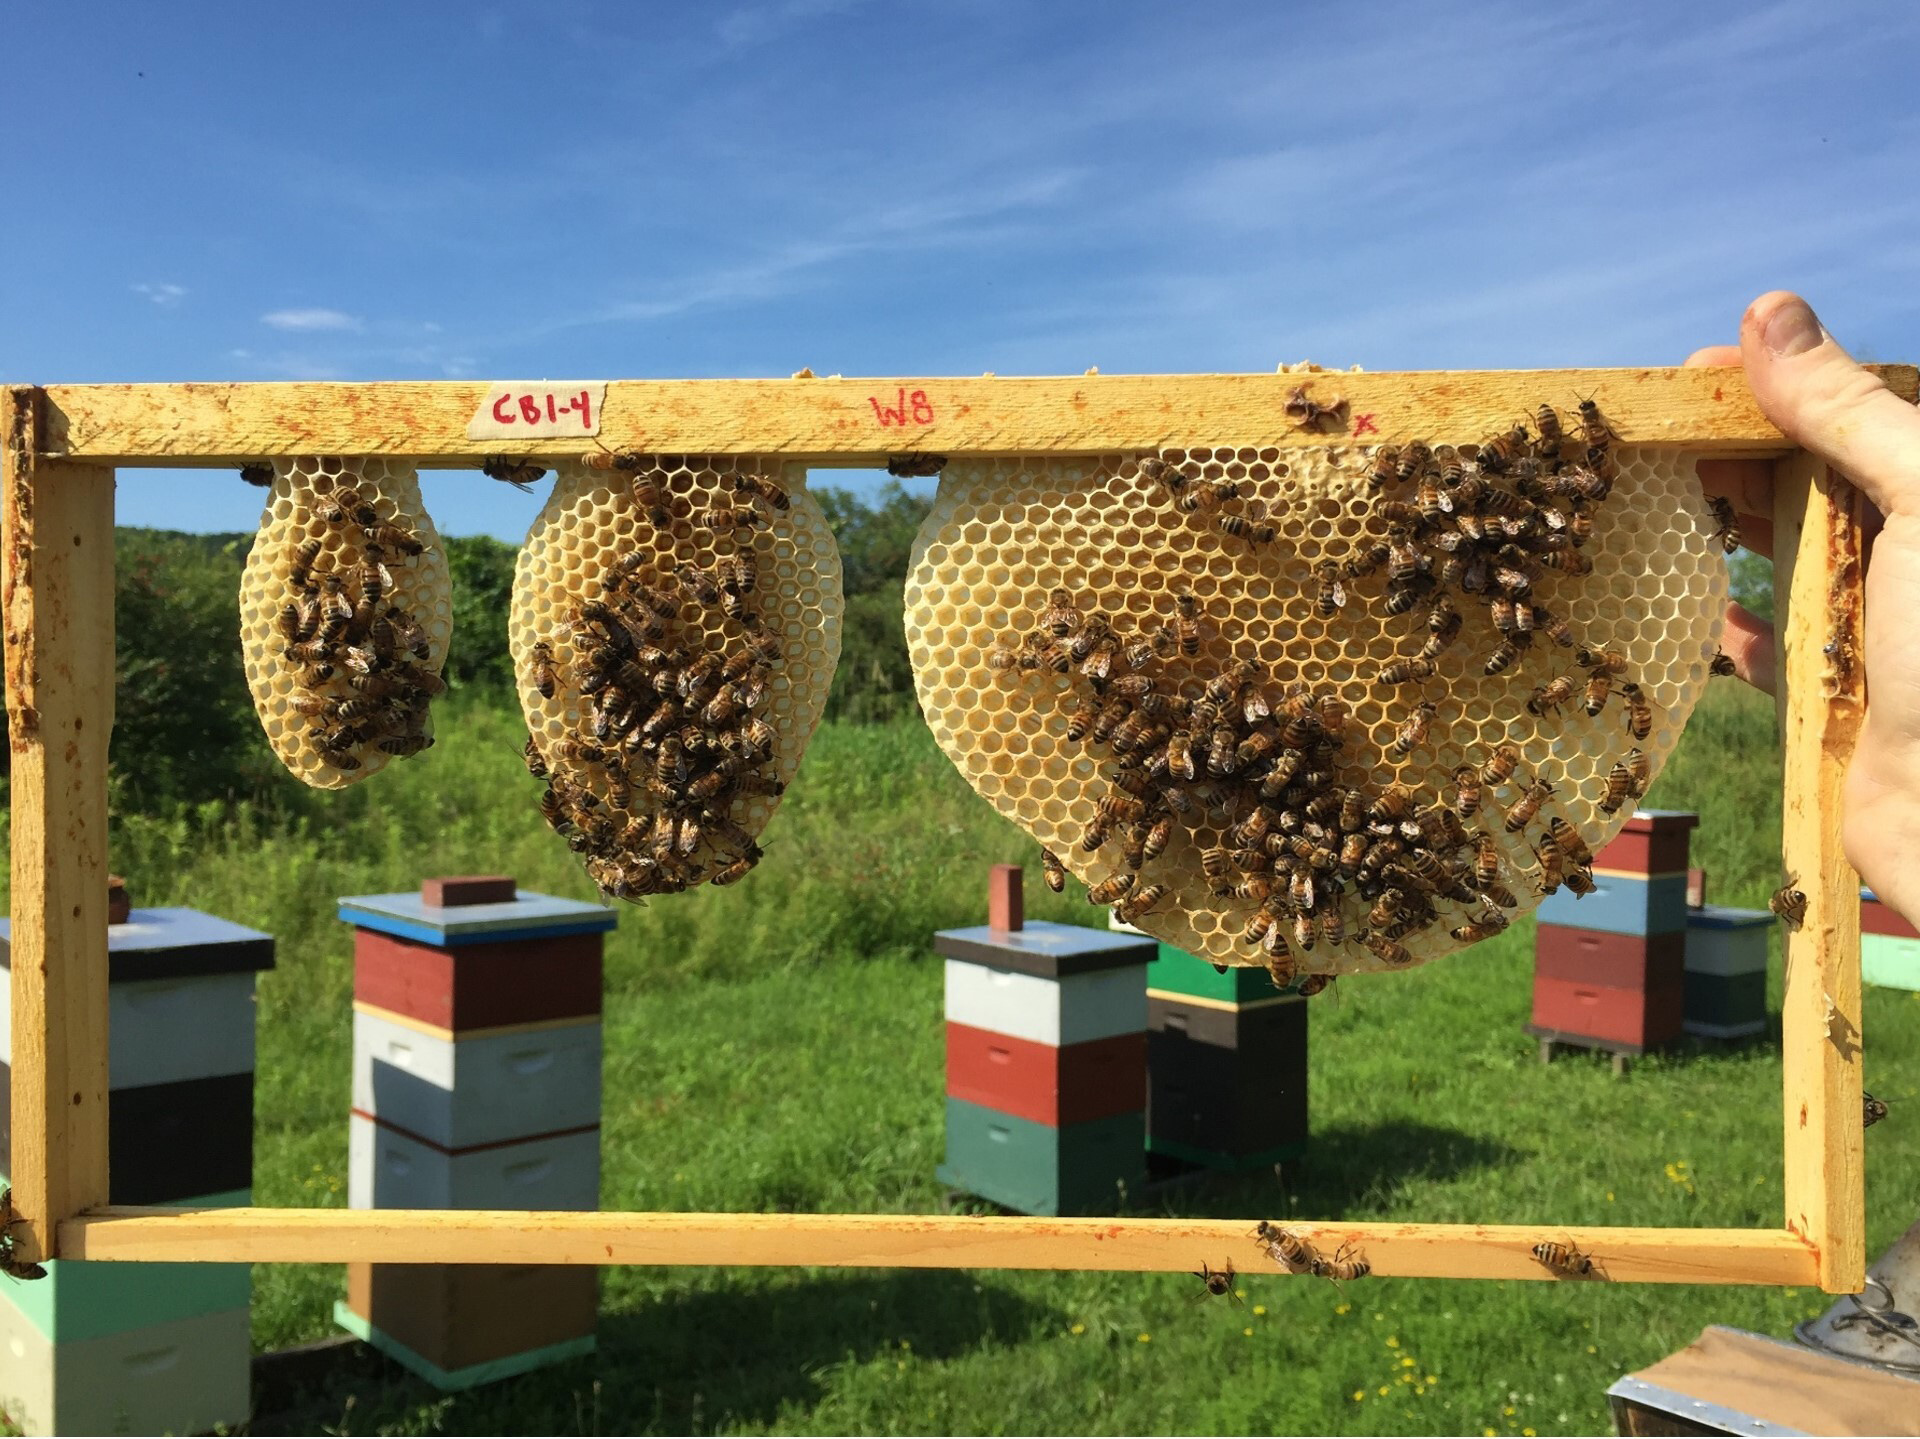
1004	533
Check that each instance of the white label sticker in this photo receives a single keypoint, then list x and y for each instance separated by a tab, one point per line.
538	411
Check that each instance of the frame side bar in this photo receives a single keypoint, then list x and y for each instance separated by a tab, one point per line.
1818	574
58	595
1445	1251
863	421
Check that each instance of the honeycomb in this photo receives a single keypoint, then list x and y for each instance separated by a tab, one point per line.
646	524
298	494
1005	533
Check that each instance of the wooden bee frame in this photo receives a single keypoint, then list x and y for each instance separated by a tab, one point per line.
63	442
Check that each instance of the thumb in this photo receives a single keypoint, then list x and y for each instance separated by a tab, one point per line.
1826	403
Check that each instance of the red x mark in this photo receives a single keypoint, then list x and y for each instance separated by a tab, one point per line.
1364	423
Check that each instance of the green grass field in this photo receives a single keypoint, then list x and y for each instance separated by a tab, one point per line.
777	1047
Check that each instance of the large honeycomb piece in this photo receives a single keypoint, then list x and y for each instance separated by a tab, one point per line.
597	538
299	500
1005	533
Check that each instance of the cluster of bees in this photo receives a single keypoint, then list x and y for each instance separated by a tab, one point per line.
343	624
1474	525
670	738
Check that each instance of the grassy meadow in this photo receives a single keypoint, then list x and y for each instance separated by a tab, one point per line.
777	1047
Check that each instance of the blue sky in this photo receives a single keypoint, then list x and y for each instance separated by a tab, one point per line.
266	192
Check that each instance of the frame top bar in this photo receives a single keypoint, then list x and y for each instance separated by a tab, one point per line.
856	422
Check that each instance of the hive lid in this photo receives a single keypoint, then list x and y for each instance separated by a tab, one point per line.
1051	951
1718	916
172	944
1644	820
529	916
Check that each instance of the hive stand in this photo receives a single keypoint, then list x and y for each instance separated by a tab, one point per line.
62	443
476	1085
152	1348
1609	968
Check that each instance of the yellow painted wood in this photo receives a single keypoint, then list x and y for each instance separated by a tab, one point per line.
1818	575
862	421
1445	1251
58	595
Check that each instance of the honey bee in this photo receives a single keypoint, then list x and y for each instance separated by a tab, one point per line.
1333	595
1308	413
300	571
1498	455
1553	864
1549	697
1388	951
1789	903
1139	902
1593	428
1721	664
1619	786
1563	1259
1872	1111
915	467
541	660
1208	497
344	505
1610	662
1466	791
725	519
1312	984
1567	562
1726	522
1547	421
1639	772
1386	908
1500	764
1333	927
1304	932
1108	891
1404	671
1639	711
1384	467
735	872
386	537
1484	925
521	474
1186	622
1414	459
1284	1248
1217	1281
1413	733
1249	526
1503	655
1528	805
1599	686
1342	1267
745	482
1158	837
1060	616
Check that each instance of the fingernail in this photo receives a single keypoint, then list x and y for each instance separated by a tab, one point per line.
1794	329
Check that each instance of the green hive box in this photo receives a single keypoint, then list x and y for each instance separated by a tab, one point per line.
1174	971
1034	1168
88	1300
1890	960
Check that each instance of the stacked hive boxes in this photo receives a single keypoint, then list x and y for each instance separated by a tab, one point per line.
1889	946
1610	967
1726	983
98	1348
476	1085
1046	1030
1226	1065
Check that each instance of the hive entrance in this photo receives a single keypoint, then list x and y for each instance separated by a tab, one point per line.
1004	534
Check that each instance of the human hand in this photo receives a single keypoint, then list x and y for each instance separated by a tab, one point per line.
1812	389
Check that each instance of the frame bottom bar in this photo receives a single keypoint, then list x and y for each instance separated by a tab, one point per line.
471	1236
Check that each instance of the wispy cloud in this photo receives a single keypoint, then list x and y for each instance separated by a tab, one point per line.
312	319
165	296
758	24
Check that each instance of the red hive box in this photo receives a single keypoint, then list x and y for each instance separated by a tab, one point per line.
1094	1079
1621	992
1655	841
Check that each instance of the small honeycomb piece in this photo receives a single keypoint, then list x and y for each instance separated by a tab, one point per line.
301	494
1005	533
599	538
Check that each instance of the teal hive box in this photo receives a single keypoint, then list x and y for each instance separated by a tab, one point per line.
1032	1168
1890	961
80	1299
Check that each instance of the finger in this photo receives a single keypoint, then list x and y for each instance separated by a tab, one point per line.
1713	355
1812	389
1747	640
1748	484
